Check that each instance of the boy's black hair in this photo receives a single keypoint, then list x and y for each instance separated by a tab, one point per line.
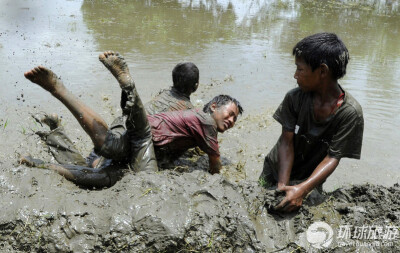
185	76
325	48
222	100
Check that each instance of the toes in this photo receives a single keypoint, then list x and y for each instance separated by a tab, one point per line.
36	70
105	55
43	69
102	57
30	74
110	53
27	74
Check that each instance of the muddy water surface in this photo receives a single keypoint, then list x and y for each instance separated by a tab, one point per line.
241	47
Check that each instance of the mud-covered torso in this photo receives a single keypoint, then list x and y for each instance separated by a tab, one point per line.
339	135
175	132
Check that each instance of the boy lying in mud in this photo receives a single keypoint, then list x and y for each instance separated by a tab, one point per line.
169	133
185	77
321	122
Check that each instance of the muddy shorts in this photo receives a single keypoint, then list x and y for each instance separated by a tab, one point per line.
129	138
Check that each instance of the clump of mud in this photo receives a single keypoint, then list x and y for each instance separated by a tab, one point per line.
173	212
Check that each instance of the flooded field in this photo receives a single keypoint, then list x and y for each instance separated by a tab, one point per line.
242	48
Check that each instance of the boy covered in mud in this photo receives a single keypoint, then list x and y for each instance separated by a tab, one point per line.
321	122
185	78
169	133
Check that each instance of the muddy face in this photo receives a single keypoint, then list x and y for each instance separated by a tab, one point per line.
307	79
225	116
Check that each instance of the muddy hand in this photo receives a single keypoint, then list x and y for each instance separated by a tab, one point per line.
292	201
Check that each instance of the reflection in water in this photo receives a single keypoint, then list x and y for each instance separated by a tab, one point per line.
180	26
153	27
380	7
183	26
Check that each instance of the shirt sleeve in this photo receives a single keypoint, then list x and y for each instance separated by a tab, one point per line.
286	114
206	137
347	141
208	140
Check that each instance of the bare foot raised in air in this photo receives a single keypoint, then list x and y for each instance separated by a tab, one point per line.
45	78
118	67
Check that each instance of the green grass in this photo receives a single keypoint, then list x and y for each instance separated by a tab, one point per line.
5	124
262	182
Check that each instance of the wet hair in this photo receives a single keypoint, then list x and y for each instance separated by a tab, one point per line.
222	100
185	77
325	48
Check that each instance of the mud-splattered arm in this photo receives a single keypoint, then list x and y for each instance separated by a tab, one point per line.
214	163
286	157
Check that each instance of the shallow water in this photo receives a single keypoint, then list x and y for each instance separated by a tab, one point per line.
242	48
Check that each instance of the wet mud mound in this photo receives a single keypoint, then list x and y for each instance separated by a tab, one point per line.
174	212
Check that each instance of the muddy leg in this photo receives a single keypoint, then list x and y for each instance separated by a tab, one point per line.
137	124
81	175
59	144
134	110
90	121
61	147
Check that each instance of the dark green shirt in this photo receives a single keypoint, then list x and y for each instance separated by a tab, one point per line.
339	135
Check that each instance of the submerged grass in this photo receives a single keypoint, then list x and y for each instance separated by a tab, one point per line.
210	242
23	130
5	124
148	190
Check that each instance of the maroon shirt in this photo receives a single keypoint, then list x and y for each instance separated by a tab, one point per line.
177	131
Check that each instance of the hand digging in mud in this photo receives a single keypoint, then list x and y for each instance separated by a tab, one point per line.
293	199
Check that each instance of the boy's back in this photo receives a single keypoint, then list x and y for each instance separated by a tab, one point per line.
168	100
175	132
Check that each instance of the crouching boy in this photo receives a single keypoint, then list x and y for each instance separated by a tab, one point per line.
321	122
